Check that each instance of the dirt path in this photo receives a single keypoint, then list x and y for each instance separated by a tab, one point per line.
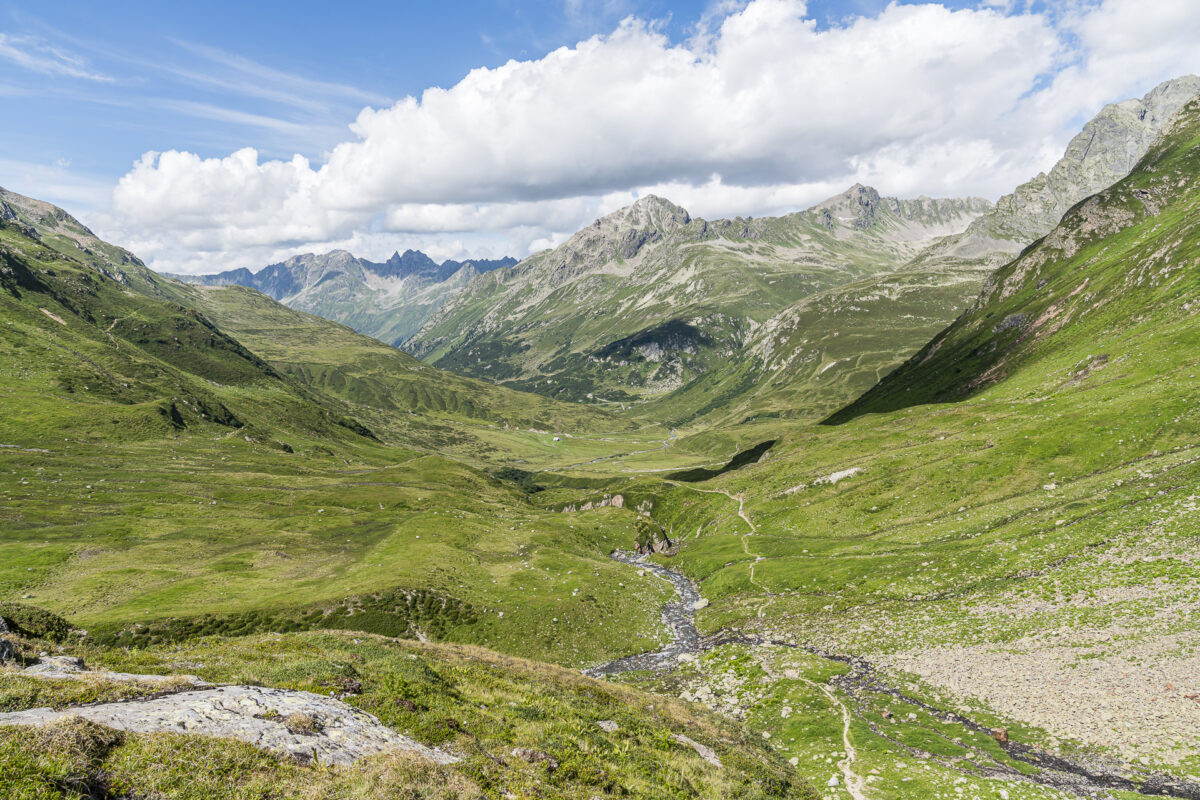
740	499
855	784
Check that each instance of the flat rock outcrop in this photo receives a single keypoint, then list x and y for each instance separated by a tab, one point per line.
305	726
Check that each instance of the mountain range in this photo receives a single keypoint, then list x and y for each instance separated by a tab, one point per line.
975	579
648	299
388	301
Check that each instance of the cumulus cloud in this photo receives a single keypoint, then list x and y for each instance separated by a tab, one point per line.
759	112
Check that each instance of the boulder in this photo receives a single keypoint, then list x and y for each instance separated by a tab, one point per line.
56	665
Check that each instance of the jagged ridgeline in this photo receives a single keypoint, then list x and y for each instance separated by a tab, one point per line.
717	323
389	301
648	299
816	355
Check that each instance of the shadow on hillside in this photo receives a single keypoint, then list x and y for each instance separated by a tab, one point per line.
737	462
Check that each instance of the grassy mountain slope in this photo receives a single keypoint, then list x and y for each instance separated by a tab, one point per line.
648	299
116	401
403	398
1022	555
1112	272
84	352
320	362
478	704
813	357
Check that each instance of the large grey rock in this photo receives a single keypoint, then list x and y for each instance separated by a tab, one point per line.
73	668
340	734
702	750
53	666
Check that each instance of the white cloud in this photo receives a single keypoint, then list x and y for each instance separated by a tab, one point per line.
760	112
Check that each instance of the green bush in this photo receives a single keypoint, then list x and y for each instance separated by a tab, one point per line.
34	622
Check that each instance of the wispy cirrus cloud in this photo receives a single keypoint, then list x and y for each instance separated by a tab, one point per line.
38	55
271	83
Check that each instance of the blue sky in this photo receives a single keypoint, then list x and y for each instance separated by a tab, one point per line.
968	97
178	75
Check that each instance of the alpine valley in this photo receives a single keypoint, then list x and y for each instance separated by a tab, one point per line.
885	498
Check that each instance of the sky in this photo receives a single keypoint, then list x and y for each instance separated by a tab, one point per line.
210	136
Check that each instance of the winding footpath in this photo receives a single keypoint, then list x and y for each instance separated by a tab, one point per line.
740	499
855	784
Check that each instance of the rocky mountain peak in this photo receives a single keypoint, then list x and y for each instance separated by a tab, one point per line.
411	262
856	206
1106	150
648	212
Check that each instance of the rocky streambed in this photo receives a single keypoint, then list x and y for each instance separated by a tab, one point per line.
1093	778
679	617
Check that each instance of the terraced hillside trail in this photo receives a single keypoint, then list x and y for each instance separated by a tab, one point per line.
740	499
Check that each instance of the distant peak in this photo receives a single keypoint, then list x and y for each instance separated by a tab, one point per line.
856	206
653	200
852	195
650	211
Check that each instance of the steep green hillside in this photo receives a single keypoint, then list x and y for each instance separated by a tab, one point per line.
86	355
1110	275
648	299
